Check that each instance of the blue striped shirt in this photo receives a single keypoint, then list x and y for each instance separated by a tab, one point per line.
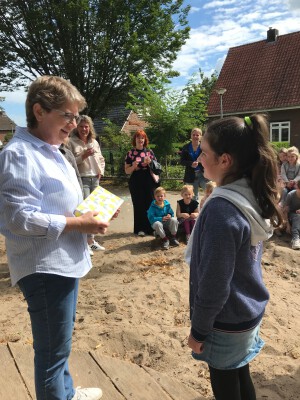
39	189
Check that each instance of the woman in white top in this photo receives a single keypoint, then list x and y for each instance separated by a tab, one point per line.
90	162
45	242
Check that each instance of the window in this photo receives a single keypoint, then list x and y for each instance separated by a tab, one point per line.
280	131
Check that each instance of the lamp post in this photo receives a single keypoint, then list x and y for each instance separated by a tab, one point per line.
220	92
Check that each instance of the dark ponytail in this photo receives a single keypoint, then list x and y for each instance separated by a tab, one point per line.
246	140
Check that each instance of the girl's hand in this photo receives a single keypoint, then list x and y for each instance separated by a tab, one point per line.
197	347
116	214
166	217
194	215
185	215
298	211
195	164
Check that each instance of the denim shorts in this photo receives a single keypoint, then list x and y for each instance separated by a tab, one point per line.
227	350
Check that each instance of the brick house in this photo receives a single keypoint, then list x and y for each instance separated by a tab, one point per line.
6	125
126	120
263	77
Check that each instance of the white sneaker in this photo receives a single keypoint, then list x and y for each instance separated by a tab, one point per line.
87	394
141	234
96	246
90	251
296	244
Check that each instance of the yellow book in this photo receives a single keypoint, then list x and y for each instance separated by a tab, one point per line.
102	201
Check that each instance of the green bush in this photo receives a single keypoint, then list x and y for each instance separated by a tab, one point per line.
278	145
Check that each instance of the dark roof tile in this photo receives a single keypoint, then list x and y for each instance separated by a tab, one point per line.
260	76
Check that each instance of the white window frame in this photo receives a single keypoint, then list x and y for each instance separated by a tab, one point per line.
280	126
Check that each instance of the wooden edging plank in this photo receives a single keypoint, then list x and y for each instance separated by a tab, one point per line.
87	373
23	355
131	380
11	383
176	389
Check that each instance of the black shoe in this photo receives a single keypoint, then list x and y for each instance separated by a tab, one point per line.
174	242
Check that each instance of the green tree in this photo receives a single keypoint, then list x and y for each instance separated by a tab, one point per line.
171	113
197	93
95	44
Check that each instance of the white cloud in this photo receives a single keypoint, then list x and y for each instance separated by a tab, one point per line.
231	23
194	10
218	3
294	4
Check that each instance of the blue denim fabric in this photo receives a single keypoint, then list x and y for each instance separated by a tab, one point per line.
199	181
295	225
89	184
226	350
52	301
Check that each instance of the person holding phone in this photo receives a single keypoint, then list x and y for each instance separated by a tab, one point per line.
141	183
90	162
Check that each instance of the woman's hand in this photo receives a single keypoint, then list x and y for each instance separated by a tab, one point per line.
86	223
197	347
195	164
147	160
135	165
88	152
194	215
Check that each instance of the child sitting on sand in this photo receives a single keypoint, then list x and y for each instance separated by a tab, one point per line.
209	187
292	210
290	172
161	216
187	210
282	158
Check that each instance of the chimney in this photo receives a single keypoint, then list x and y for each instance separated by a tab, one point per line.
272	35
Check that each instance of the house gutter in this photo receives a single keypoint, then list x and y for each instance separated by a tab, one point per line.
254	111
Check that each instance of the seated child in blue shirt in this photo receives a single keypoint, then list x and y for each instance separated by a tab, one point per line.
161	216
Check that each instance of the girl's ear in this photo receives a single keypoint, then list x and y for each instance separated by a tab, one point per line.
226	160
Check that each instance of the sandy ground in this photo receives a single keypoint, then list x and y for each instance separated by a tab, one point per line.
134	305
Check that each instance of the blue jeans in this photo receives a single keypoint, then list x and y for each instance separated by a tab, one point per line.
89	184
199	181
295	225
51	303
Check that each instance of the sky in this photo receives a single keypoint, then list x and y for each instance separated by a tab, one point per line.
216	26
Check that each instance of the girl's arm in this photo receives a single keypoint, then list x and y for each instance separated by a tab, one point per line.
297	177
195	213
178	211
283	173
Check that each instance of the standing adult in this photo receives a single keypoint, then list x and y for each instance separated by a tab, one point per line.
46	244
141	182
193	174
90	162
227	293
